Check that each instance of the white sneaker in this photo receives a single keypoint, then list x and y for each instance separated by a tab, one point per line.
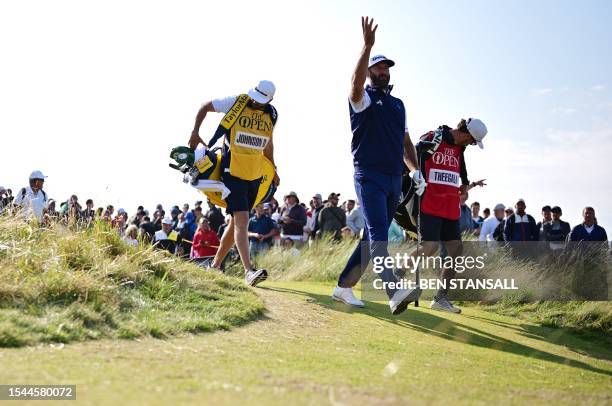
401	298
444	305
345	295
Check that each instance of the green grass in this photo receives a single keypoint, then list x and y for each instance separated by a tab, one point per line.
309	349
323	261
59	285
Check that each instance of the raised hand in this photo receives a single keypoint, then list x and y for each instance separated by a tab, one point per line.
369	33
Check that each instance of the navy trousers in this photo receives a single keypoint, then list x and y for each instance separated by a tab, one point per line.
379	195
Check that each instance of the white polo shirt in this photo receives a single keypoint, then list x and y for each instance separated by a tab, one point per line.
31	204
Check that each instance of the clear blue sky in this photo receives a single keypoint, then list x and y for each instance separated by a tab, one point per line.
97	95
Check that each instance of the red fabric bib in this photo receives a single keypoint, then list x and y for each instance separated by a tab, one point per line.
442	174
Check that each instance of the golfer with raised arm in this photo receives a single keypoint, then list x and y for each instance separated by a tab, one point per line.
380	147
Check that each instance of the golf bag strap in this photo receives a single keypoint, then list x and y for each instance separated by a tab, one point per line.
228	121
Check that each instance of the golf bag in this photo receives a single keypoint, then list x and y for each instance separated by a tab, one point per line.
408	209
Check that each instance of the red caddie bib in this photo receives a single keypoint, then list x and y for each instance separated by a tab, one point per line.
442	174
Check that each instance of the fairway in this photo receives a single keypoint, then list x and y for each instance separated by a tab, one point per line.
308	349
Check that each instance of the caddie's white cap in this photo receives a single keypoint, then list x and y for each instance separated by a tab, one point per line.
263	92
378	59
37	175
477	129
167	220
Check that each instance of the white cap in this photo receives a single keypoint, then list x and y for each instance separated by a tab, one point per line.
167	220
380	58
499	206
477	129
263	92
37	175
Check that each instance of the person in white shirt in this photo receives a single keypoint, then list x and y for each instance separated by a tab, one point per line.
32	200
354	217
491	223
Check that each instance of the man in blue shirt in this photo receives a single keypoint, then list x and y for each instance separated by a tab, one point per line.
261	229
380	146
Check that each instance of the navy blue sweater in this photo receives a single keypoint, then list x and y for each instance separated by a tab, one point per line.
579	233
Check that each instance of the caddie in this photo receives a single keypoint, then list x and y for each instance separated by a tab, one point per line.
246	130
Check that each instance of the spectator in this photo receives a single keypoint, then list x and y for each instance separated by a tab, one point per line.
498	234
332	218
158	216
556	229
120	221
588	230
292	218
147	227
354	217
476	217
313	224
4	202
166	238
108	213
490	224
215	216
51	211
521	226
289	247
88	213
223	226
174	215
131	236
205	240
466	224
137	219
546	219
486	213
197	212
261	230
32	200
187	231
185	208
396	234
74	209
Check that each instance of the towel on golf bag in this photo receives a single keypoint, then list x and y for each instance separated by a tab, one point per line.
408	209
210	182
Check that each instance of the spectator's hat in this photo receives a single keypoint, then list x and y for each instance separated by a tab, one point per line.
318	196
378	59
557	209
292	193
198	203
175	211
37	175
263	92
2	189
333	196
159	207
477	130
121	211
520	201
499	206
167	220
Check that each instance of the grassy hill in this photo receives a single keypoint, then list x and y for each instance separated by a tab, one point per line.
59	285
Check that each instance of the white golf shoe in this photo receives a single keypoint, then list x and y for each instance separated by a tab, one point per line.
345	295
444	305
401	298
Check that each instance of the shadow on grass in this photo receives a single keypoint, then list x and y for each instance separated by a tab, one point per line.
452	330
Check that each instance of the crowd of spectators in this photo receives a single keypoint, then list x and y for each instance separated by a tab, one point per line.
192	232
